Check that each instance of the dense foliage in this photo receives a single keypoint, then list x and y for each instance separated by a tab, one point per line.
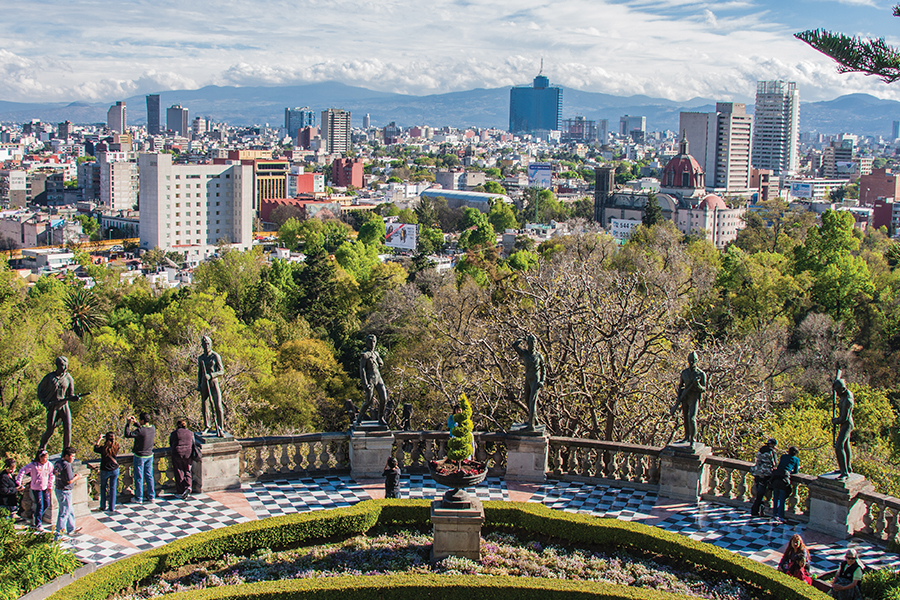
771	316
28	561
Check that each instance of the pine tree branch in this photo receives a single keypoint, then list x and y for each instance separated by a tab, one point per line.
856	55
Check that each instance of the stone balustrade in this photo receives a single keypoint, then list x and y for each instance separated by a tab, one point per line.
163	476
415	449
602	461
731	483
278	457
830	505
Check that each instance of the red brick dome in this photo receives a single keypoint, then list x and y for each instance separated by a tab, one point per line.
683	171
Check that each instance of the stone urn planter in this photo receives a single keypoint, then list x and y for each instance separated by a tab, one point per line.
457	477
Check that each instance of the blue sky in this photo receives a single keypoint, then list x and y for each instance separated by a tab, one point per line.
55	50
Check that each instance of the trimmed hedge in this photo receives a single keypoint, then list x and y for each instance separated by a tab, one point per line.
278	533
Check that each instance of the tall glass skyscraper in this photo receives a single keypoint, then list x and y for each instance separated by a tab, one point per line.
536	108
298	118
153	114
776	126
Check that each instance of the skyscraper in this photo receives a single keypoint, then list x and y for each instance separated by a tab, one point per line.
115	118
536	108
153	114
177	120
298	118
367	121
895	130
720	142
776	129
336	130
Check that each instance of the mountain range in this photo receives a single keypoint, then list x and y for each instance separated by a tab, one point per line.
856	113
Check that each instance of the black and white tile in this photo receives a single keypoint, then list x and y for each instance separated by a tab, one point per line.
282	496
598	500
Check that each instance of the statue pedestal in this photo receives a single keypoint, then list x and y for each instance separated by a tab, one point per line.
833	506
80	497
220	467
369	451
526	455
683	474
457	531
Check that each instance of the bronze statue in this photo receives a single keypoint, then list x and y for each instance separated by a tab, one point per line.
209	369
845	420
370	364
690	391
55	391
535	374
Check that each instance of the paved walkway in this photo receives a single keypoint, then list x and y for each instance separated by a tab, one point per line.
136	527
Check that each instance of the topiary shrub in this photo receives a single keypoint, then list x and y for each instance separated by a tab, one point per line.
460	445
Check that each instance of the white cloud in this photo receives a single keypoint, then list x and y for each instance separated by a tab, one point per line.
673	48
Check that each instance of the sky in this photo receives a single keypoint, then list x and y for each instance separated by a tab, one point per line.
102	51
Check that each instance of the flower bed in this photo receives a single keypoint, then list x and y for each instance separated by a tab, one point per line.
408	552
534	520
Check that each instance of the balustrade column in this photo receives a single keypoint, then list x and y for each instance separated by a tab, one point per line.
833	504
683	472
220	466
526	457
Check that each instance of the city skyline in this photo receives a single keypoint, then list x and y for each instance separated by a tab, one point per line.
672	49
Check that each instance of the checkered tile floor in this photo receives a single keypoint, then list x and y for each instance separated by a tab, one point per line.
598	500
150	526
281	497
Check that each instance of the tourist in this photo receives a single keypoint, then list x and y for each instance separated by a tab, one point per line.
794	548
65	483
108	448
799	569
762	474
144	436
181	446
846	582
9	496
41	472
781	481
391	479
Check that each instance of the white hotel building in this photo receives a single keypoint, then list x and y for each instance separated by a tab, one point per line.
189	208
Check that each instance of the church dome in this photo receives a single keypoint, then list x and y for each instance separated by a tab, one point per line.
713	202
683	171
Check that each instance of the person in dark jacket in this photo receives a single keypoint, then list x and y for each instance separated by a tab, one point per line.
9	496
762	474
144	436
181	447
781	481
108	448
391	479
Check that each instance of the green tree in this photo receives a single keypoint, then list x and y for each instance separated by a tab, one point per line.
85	310
430	240
502	216
857	55
372	232
289	233
652	211
479	233
492	187
89	225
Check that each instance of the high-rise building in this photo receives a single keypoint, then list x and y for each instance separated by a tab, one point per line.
191	208
153	114
198	127
603	131
535	108
347	171
298	118
720	142
336	130
177	120
367	121
579	129
776	128
115	118
118	181
64	130
895	130
629	124
271	178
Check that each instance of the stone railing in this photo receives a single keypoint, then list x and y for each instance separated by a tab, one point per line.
601	461
731	482
881	518
276	457
163	476
414	449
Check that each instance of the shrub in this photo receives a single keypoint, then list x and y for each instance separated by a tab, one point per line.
277	533
460	445
883	584
28	561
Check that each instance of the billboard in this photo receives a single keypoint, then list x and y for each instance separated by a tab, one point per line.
400	235
801	190
540	175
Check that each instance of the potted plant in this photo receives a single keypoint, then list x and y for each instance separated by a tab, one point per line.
458	470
